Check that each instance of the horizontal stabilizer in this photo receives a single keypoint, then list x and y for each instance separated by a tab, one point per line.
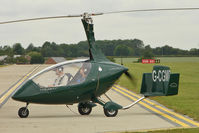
161	82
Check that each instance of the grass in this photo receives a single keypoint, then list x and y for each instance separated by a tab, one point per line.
162	59
187	101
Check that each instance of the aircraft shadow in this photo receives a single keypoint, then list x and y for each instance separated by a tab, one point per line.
89	116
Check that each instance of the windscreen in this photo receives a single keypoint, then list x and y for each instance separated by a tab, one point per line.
69	74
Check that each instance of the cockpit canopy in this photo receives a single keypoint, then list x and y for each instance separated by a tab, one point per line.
64	74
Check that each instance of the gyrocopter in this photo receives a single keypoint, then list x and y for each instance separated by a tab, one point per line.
83	81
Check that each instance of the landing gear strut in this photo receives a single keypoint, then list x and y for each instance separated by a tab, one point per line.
110	108
23	112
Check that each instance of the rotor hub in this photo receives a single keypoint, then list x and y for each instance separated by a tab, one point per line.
87	18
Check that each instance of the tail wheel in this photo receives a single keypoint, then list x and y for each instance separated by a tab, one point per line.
110	113
23	112
84	109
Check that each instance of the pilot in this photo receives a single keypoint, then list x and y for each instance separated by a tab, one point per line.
60	76
83	73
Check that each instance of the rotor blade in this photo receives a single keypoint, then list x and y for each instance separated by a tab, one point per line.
41	18
95	14
53	17
152	10
131	78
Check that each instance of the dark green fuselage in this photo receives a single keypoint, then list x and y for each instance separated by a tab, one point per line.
96	84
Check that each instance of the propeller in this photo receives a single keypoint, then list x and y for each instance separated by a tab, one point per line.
87	15
131	78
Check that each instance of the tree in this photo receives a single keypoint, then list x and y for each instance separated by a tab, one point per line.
36	58
148	54
7	50
21	60
18	49
130	47
32	48
194	51
122	50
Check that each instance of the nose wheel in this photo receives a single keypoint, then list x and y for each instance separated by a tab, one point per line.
84	109
23	112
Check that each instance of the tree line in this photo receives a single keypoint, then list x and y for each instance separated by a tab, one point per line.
127	47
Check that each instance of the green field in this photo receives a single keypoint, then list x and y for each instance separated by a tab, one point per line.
187	101
162	59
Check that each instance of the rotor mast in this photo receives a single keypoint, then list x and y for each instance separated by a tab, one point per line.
88	27
94	52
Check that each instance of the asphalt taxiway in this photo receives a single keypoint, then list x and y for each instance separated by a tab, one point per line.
58	118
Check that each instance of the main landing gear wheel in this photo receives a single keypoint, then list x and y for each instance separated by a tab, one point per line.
23	112
84	109
110	113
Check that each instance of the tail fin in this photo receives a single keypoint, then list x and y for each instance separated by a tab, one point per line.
94	52
160	82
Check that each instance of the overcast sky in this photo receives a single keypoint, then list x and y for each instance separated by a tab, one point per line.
178	29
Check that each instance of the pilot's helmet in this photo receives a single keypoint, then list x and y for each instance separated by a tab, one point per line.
59	69
85	67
